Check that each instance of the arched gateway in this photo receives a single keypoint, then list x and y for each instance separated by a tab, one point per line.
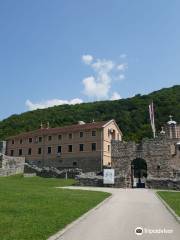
152	163
138	173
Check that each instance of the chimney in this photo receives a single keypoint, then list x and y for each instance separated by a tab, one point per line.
41	125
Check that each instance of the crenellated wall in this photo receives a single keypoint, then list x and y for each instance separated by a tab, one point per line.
161	155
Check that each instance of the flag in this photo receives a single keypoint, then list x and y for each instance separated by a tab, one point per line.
151	115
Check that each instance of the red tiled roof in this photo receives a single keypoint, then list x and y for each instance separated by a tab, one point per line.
70	128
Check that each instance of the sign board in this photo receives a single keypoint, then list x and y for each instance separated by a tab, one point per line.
108	176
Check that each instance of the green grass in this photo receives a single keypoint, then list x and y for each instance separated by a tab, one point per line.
33	209
172	199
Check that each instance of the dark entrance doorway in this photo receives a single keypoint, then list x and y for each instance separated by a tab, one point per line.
138	173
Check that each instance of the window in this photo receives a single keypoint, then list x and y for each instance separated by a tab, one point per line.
30	140
108	148
81	147
69	148
12	141
93	146
118	136
12	153
74	164
40	139
49	150
93	133
20	152
158	167
29	151
60	137
109	134
49	138
81	134
70	135
59	149
21	141
39	150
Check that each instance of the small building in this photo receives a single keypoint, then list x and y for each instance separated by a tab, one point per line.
84	145
172	129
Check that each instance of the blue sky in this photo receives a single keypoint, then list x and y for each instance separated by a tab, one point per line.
59	51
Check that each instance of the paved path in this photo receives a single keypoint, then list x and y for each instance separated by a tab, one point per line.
117	218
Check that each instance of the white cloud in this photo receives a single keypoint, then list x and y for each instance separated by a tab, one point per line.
103	66
122	67
51	103
87	59
96	88
115	96
105	73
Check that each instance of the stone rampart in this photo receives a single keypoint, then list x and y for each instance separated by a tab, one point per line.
11	165
161	155
50	172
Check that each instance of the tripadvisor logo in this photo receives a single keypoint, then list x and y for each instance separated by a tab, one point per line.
139	231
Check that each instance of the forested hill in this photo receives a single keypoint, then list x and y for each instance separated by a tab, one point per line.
131	114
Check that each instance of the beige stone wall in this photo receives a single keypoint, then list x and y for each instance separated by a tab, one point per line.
110	132
102	154
178	131
76	140
172	131
175	160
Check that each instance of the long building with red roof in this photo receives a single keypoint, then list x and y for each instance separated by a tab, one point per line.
84	145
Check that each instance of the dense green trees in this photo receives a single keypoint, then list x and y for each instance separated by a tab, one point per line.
131	114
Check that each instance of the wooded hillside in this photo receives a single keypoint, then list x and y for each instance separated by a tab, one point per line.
131	114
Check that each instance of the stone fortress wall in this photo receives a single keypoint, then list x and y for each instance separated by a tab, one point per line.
161	155
10	165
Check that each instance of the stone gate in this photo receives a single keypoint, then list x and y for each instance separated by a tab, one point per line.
161	155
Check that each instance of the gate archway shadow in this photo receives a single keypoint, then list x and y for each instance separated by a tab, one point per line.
138	173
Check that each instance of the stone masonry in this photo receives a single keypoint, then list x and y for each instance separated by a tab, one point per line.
161	155
11	165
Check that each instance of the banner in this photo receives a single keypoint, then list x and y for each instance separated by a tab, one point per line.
108	177
151	115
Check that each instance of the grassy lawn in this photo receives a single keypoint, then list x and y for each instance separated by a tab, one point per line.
172	199
32	209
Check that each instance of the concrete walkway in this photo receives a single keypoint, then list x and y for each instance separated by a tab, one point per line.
118	217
